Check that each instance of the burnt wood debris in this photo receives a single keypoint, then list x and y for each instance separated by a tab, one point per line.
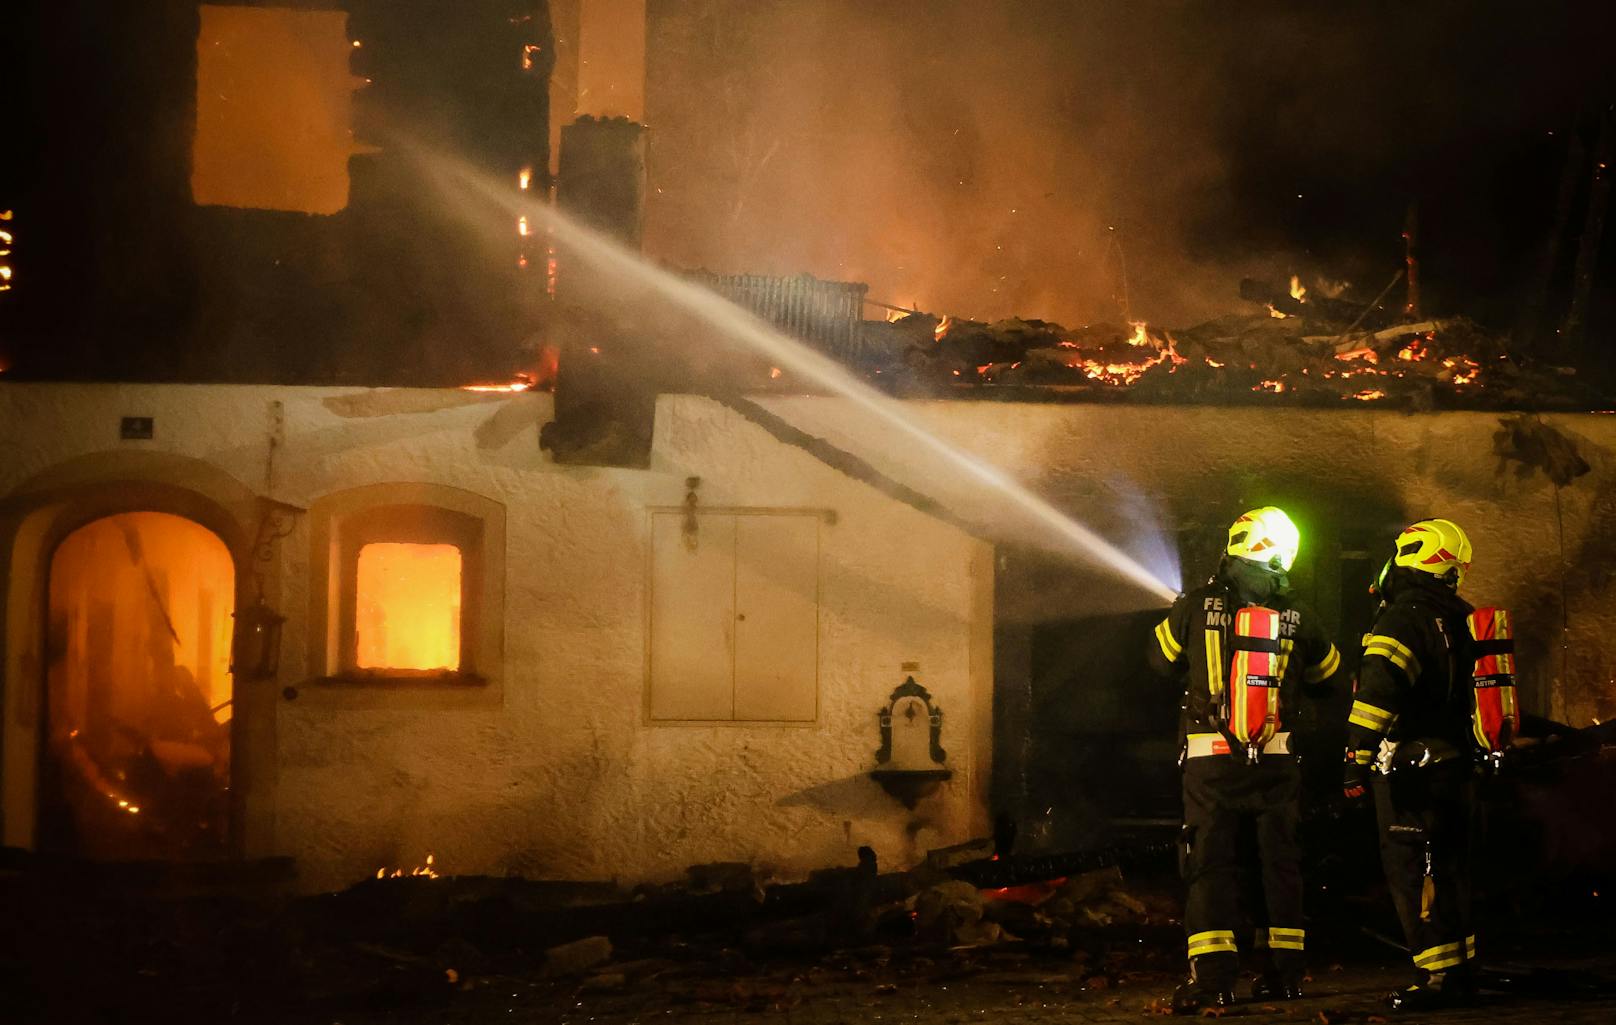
205	940
1298	346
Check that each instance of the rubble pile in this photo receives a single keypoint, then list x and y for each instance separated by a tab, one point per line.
1303	350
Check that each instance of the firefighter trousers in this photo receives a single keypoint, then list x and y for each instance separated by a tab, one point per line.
1221	794
1426	819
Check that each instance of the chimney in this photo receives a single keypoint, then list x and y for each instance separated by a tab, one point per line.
605	397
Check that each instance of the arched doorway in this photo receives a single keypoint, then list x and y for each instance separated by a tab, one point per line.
136	756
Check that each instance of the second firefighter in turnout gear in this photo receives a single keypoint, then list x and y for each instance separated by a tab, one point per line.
1245	650
1429	697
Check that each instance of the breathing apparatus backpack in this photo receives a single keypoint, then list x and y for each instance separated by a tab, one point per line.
1248	709
1493	717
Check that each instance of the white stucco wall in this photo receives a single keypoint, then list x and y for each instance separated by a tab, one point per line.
563	777
1132	470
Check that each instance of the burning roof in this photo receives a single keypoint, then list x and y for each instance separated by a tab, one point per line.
1300	349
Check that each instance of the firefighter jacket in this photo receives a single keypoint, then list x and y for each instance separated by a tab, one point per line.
1413	682
1194	642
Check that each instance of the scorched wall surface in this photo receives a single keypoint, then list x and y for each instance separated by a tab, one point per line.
555	772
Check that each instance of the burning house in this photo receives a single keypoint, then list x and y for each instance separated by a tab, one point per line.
507	553
515	666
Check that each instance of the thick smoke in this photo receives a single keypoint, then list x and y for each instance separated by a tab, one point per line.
1097	160
982	159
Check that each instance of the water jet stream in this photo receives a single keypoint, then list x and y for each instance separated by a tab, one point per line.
458	179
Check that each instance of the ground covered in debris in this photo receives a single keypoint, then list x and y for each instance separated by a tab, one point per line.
850	945
1001	988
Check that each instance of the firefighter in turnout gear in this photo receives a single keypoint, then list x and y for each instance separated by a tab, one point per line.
1245	651
1417	718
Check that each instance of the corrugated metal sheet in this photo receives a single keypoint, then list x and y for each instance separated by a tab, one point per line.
825	314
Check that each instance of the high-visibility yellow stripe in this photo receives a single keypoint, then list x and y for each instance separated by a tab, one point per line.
1404	662
1325	669
1213	941
1214	662
1363	757
1241	711
1470	948
1395	652
1169	644
1370	717
1287	939
1434	959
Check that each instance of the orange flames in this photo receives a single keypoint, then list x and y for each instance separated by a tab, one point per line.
524	178
1124	372
941	330
426	871
521	384
408	607
1464	369
5	250
1298	292
1416	349
1366	354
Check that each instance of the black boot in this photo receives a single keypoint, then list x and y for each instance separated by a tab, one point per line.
1435	990
1203	989
1277	986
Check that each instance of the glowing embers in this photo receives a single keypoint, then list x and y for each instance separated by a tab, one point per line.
1108	368
408	607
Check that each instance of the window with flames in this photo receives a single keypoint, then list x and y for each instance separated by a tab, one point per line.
408	607
413	586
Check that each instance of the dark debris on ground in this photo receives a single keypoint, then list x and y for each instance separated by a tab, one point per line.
1096	945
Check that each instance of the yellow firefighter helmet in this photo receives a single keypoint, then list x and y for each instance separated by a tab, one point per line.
1437	547
1265	536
